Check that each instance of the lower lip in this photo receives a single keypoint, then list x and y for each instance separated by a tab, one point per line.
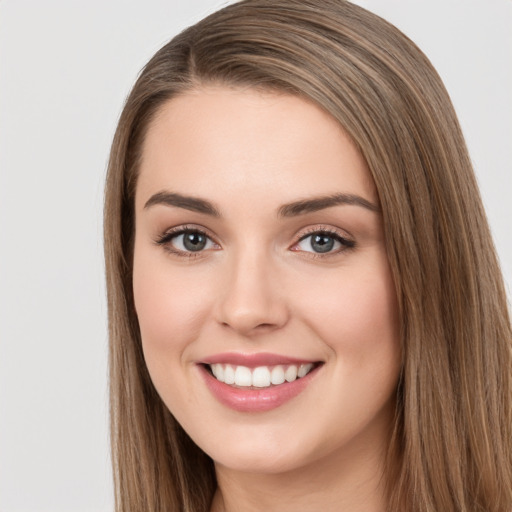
256	400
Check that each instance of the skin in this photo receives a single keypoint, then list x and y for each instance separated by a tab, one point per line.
258	286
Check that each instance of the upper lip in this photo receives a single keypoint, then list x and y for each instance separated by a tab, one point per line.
254	360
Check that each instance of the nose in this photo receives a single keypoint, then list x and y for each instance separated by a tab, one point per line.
252	300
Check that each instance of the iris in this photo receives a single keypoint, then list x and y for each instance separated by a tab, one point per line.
322	243
194	241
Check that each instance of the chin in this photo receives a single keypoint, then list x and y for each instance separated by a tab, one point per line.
264	455
254	462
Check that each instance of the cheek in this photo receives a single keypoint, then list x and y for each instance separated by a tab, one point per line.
356	314
357	318
170	305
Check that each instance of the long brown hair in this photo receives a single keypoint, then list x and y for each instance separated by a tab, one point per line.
451	446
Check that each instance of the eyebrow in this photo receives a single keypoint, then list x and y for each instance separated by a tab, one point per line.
193	204
320	203
294	209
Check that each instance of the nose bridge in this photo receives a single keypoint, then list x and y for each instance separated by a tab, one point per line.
251	300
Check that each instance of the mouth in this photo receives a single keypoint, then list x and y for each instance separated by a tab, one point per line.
259	382
260	377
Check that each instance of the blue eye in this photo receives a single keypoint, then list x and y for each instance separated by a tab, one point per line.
322	242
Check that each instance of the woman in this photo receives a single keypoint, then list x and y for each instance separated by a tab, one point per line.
306	310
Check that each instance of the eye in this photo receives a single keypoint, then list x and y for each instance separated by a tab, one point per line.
185	241
192	241
323	242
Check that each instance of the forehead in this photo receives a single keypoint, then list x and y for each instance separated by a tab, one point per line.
219	142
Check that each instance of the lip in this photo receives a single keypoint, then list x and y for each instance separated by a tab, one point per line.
254	360
253	399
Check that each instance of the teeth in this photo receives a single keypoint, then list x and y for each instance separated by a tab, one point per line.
229	375
304	369
260	377
243	376
291	373
277	375
218	371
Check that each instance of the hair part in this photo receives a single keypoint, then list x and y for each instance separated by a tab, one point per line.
451	446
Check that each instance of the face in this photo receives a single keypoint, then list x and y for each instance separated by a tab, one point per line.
262	287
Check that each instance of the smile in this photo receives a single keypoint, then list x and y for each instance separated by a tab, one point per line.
260	377
257	382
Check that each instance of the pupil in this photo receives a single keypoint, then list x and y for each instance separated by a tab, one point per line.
194	241
322	243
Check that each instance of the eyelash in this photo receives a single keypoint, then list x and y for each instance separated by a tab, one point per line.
165	238
345	243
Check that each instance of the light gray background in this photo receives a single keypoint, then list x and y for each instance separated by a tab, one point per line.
65	69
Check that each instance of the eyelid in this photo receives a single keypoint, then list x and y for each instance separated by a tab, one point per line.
346	240
165	238
323	228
